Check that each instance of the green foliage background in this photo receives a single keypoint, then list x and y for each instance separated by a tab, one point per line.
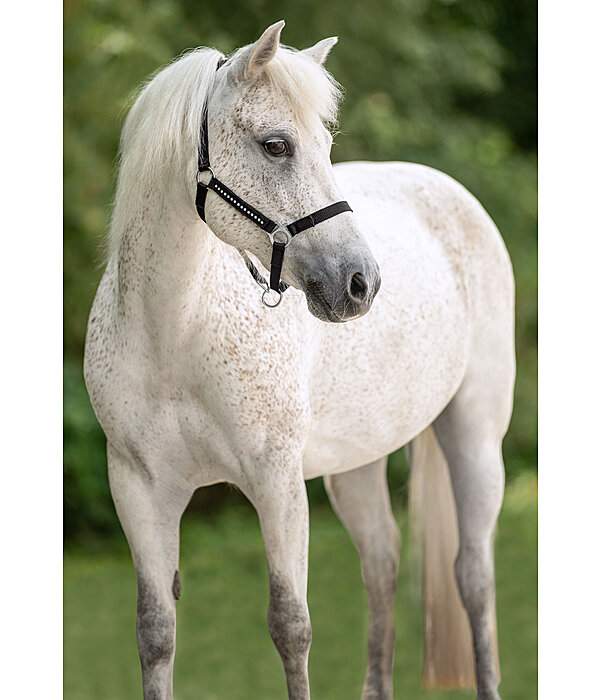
449	83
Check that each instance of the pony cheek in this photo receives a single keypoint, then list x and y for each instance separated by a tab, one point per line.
232	228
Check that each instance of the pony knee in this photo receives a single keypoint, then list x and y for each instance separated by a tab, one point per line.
289	623
291	633
155	627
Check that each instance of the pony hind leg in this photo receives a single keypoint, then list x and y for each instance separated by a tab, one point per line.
471	444
361	501
150	518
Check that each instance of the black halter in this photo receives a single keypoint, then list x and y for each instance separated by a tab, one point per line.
280	235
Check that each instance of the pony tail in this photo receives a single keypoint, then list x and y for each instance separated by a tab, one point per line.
448	657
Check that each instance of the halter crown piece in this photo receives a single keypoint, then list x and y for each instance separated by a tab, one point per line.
280	235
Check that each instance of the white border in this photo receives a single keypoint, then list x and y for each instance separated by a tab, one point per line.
569	338
31	321
31	293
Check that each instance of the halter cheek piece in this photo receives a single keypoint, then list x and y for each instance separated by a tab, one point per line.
280	235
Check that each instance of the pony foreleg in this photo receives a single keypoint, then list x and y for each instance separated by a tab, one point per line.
477	472
282	509
150	516
362	502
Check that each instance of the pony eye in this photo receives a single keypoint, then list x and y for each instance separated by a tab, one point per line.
276	147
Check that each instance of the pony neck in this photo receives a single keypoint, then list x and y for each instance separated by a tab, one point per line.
167	258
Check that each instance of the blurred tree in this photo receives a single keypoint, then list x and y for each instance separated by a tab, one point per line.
448	83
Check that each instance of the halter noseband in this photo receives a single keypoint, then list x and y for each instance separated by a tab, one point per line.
280	235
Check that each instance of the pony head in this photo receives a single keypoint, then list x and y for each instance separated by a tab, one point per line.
270	111
268	118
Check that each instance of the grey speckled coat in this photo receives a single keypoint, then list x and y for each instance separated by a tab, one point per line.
195	382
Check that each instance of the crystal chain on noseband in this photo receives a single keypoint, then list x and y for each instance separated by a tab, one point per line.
280	235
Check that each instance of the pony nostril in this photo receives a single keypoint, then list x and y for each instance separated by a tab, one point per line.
358	286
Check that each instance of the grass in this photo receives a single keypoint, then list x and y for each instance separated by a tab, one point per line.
223	647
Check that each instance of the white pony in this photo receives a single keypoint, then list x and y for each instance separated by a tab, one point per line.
195	382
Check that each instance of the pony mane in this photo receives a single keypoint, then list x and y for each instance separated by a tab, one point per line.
162	130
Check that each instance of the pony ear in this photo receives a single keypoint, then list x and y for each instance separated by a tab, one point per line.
263	50
320	51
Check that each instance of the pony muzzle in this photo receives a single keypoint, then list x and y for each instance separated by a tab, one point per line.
345	296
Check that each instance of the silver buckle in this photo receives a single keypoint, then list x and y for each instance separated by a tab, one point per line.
210	170
275	238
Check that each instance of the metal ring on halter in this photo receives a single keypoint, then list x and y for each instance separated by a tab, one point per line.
281	228
210	170
264	294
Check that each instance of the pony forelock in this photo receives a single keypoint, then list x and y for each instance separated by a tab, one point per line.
312	90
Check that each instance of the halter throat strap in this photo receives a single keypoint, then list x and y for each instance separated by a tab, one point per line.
280	235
